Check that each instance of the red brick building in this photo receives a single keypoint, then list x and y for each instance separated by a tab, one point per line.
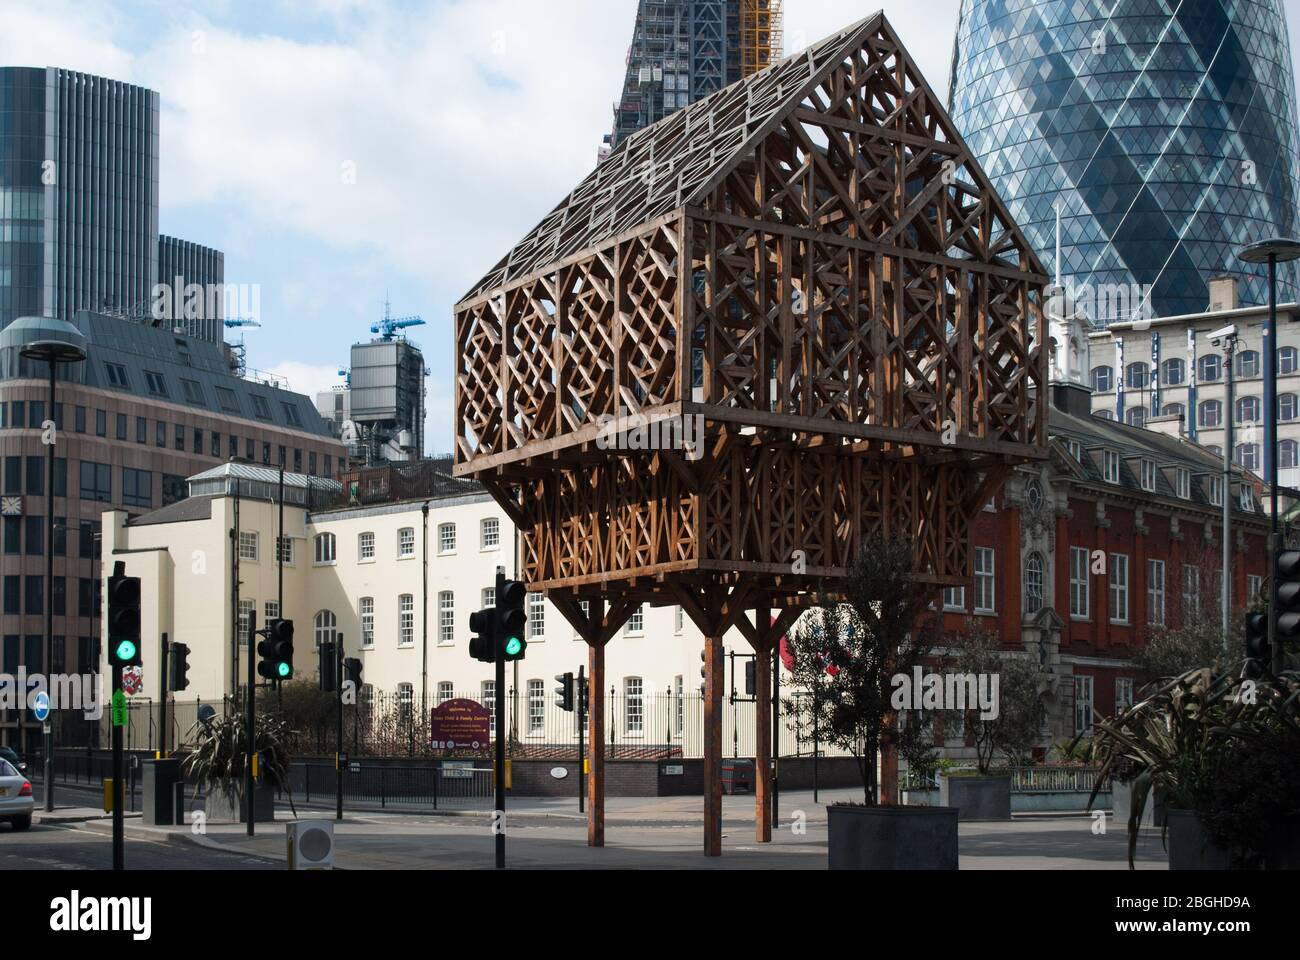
1080	557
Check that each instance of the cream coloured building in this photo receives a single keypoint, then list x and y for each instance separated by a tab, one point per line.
397	581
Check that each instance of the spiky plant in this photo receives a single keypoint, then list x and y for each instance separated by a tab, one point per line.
219	753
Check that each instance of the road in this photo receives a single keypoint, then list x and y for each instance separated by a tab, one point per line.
69	847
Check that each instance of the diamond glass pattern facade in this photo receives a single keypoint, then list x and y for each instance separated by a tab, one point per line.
1165	130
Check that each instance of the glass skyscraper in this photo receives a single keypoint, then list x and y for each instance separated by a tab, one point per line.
1164	130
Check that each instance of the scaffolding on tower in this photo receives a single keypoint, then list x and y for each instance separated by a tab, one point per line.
762	35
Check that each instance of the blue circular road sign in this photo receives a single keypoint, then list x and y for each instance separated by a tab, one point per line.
41	706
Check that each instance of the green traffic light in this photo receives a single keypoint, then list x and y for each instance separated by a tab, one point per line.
125	650
513	646
283	669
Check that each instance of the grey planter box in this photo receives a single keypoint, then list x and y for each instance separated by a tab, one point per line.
224	803
1189	847
921	798
1121	792
892	838
977	798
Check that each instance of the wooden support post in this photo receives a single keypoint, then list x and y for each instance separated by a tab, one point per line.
713	670
596	745
763	744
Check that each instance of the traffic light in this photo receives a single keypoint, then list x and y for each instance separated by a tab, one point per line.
329	667
352	671
1288	595
582	696
178	668
564	692
751	678
276	651
704	660
123	618
481	646
1257	645
510	619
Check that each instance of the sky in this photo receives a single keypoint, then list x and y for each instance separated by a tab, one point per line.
341	152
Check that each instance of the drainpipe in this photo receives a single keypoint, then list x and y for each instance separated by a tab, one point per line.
424	605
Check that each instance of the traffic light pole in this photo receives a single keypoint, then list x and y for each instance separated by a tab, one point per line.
1270	451
249	720
581	693
119	825
162	698
499	823
338	757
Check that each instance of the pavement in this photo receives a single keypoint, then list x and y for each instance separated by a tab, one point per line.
640	833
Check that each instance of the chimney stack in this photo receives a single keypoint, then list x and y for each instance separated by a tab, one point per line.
1223	294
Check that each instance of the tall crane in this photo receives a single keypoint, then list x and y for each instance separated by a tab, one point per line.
388	327
762	34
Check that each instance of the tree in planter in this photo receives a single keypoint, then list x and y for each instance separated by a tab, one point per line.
219	754
1018	726
1198	642
849	652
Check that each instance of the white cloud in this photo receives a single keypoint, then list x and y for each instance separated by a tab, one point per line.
308	378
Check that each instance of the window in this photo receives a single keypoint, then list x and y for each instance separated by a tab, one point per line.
1214	486
954	598
679	618
1149	475
1248	410
1287	455
234	452
35	476
1246	499
1110	464
634	705
1123	694
1083	716
1118	588
366	547
1254	588
1248	364
1174	372
536	615
1104	414
174	489
488	697
1156	592
160	434
120	422
247	545
406	620
266	453
325	628
367	622
406	542
271	611
1080	570
80	420
1034	583
679	718
636	622
284	550
1136	417
88	540
291	416
228	401
1137	375
488	598
446	538
536	706
137	488
180	436
1210	368
193	391
446	617
325	548
444	691
141	430
985	580
1286	406
1210	414
489	533
96	482
1075	448
1102	379
198	441
1191	591
1247	454
35	535
1183	483
117	376
13	535
156	384
1287	361
246	608
261	409
1174	410
34	587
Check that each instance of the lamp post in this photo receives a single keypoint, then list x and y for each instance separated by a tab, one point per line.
53	341
1274	251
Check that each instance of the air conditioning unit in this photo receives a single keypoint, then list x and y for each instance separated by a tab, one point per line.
311	844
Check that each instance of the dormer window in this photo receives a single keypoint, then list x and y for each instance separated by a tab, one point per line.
1075	448
1246	499
1214	486
1183	484
1149	475
1110	466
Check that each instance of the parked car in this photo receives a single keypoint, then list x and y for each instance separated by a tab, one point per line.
14	757
16	801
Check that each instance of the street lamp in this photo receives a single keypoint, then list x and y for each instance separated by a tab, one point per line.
54	341
1274	251
1227	339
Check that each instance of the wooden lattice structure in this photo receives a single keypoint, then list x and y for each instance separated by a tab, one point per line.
810	268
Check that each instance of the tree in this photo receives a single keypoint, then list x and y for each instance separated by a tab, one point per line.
1197	642
1016	729
847	653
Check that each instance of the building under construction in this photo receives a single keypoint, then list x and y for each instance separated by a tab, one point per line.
685	50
